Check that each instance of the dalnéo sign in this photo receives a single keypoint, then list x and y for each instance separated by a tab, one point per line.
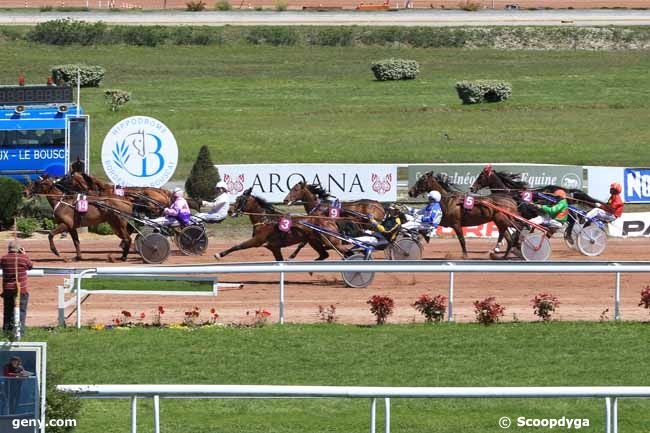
139	151
344	181
536	175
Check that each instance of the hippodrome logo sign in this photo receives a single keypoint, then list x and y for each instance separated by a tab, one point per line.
139	151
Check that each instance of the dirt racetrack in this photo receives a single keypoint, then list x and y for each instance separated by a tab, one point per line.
582	296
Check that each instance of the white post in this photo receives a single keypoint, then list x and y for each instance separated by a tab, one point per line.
373	415
78	89
608	415
134	414
61	305
156	414
78	297
387	416
281	295
617	299
615	415
450	313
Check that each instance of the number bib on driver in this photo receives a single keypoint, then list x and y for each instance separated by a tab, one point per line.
285	224
468	203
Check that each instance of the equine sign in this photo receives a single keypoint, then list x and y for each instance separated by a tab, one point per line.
344	181
139	151
536	175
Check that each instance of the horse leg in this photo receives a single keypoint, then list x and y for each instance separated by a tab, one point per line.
75	240
251	243
300	247
126	240
461	238
319	248
62	227
277	252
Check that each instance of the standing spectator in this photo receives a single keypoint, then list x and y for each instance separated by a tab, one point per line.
14	267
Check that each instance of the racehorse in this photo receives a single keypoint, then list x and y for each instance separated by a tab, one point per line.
266	232
149	200
457	217
67	218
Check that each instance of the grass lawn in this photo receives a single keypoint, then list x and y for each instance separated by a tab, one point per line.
261	104
136	284
516	354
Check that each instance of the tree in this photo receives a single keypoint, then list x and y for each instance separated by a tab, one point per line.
11	196
203	177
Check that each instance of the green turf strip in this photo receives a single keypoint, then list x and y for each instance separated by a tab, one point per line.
148	285
516	354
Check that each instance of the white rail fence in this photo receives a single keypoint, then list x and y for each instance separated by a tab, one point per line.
283	268
611	395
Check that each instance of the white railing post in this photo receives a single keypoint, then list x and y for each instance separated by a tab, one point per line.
61	302
608	415
450	312
373	415
156	414
387	416
617	296
281	265
615	415
134	414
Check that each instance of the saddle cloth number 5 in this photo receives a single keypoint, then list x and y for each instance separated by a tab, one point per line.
468	203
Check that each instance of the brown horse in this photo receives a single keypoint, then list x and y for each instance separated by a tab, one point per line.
457	217
67	218
266	233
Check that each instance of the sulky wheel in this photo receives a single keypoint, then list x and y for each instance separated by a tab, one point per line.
592	241
357	279
571	236
535	246
155	248
142	232
192	240
404	249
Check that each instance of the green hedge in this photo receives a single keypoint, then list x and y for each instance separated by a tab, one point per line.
115	98
90	75
11	195
395	69
68	32
475	92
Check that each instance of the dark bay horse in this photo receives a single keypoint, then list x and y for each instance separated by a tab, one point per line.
266	233
457	217
69	220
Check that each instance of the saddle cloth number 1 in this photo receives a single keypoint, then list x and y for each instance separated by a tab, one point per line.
285	224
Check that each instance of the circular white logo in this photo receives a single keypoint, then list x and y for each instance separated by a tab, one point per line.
139	151
571	181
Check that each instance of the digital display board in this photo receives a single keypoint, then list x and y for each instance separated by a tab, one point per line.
34	95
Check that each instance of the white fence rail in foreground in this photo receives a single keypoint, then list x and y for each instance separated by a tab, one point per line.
611	394
425	266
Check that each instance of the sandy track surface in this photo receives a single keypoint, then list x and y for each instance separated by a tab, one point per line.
582	296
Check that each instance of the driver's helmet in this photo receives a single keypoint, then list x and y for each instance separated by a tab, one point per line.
178	193
221	184
434	196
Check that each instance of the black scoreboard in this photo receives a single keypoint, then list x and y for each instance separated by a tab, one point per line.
35	95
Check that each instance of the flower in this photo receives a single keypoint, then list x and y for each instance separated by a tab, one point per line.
161	310
213	311
142	316
98	327
126	313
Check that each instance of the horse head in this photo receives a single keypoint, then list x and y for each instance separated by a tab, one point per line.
296	193
483	178
428	182
242	203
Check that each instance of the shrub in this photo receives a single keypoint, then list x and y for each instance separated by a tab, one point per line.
37	207
470	6
327	314
544	304
223	5
58	404
195	6
48	224
475	92
331	37
433	309
281	5
90	75
395	69
645	297
185	35
381	307
146	36
272	35
11	196
27	226
102	229
488	311
115	98
46	8
203	177
68	31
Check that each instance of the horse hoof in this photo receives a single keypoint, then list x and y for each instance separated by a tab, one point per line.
123	258
217	256
77	259
110	259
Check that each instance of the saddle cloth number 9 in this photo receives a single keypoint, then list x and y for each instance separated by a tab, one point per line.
335	212
285	224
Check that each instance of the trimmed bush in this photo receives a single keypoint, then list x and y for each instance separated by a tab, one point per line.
488	311
203	177
223	5
185	35
273	36
395	69
146	36
27	226
195	6
103	229
90	75
59	405
37	207
11	195
475	92
68	31
115	98
281	5
381	307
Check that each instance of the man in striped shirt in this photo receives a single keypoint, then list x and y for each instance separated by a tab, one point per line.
14	265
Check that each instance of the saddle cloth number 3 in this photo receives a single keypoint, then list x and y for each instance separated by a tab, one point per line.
285	224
